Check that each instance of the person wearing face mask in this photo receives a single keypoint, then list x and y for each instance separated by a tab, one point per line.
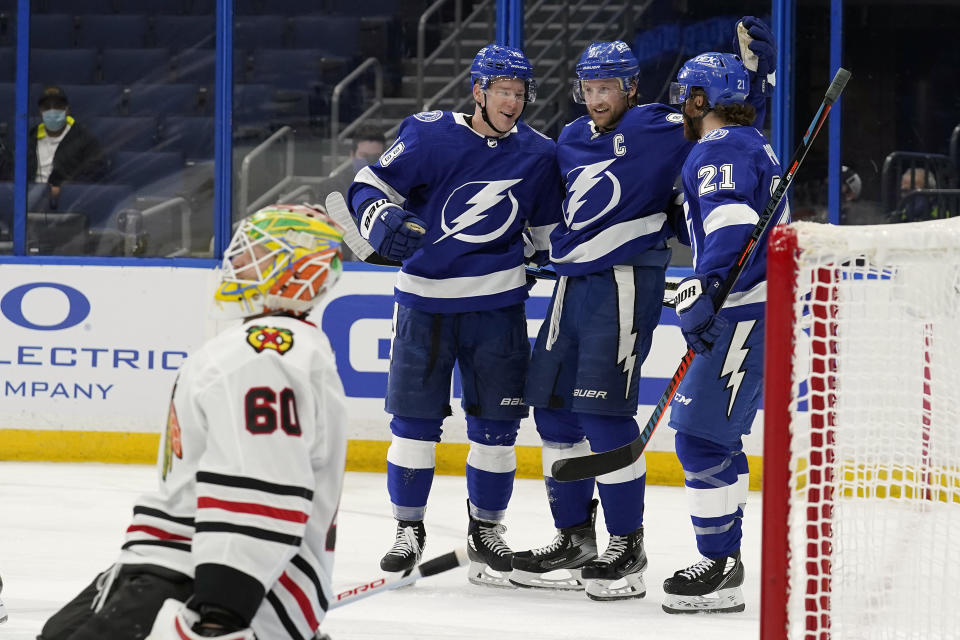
60	149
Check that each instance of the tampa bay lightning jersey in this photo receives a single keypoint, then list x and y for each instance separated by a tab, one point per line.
618	184
476	195
727	181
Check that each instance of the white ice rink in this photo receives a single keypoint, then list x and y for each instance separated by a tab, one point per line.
62	523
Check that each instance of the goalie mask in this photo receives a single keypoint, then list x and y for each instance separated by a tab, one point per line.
282	258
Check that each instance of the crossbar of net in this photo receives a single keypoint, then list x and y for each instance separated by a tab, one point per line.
874	525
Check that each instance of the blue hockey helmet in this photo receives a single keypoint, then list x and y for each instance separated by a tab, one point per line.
606	60
496	62
721	75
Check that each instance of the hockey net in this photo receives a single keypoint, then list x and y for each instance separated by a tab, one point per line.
862	433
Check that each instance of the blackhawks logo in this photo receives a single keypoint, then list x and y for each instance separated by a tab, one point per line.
262	338
173	445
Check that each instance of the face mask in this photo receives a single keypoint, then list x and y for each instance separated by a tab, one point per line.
54	119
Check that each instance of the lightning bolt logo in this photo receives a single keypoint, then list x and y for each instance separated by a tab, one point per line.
489	196
626	292
590	176
733	363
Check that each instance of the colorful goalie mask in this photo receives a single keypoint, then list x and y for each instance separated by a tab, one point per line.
283	257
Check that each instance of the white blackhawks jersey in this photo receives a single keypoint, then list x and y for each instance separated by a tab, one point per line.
251	469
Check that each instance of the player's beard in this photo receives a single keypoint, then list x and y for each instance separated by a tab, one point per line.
609	119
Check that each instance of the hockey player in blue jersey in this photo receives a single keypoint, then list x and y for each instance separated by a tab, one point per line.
727	180
620	163
451	199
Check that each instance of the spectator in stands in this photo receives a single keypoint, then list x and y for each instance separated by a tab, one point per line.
914	206
60	149
368	146
854	209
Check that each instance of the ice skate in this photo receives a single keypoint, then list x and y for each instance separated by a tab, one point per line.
618	573
709	586
557	566
490	557
407	548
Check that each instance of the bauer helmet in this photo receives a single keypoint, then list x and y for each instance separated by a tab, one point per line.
496	62
606	60
721	75
283	257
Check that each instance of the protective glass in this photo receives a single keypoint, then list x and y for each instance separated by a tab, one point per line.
583	93
678	93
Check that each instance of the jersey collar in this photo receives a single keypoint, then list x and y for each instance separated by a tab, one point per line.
461	119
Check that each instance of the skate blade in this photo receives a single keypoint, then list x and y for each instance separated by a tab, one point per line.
629	586
530	580
481	574
722	601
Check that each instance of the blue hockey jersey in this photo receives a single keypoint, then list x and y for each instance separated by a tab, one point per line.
476	195
618	184
727	181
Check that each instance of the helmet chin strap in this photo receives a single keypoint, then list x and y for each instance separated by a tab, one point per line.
486	118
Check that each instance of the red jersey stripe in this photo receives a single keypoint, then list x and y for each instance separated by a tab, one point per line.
250	507
301	599
155	532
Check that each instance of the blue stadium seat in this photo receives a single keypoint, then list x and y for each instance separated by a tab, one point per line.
298	8
196	65
37	199
139	169
63	66
113	31
152	7
124	133
303	69
339	36
126	66
252	103
53	31
100	202
192	136
77	7
365	8
7	61
248	7
8	92
185	32
87	100
163	99
251	32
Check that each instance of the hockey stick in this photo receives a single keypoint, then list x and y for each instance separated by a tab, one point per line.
336	207
597	464
449	560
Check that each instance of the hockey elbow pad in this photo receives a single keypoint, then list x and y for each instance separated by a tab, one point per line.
394	233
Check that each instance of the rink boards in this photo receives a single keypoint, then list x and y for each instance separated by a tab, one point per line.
89	355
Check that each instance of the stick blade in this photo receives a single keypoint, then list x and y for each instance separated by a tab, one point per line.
591	466
337	209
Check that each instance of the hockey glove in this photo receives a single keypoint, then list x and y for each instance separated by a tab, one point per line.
394	233
699	322
177	621
531	255
758	50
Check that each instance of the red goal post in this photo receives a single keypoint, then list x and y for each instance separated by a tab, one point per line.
861	487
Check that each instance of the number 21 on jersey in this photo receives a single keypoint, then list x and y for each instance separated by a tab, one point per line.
708	174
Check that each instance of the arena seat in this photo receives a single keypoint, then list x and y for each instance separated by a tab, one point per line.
339	36
185	32
63	66
125	133
100	202
139	169
127	66
113	31
53	31
250	32
87	100
191	136
180	99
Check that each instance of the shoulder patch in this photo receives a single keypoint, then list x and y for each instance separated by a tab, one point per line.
716	134
263	338
391	154
675	117
428	116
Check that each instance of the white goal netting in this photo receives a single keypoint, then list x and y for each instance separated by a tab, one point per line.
874	519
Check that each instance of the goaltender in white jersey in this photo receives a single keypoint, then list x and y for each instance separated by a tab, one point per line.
242	526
